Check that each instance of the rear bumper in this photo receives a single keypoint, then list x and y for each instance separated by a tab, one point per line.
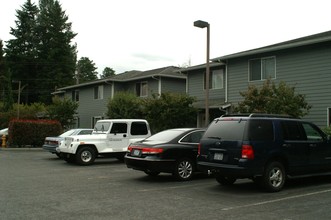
150	164
229	170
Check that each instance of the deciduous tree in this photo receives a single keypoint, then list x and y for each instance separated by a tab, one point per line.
273	99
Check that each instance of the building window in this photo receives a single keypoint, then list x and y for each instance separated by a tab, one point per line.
98	92
261	69
75	96
141	89
216	79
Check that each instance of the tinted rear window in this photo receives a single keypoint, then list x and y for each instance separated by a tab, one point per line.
260	130
226	129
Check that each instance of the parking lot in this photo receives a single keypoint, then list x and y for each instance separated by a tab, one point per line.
37	185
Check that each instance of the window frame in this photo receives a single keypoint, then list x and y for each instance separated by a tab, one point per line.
142	89
75	95
212	78
262	67
98	92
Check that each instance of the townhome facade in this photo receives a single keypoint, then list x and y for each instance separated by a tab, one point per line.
196	87
93	97
303	63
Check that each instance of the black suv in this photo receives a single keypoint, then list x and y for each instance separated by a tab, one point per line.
265	148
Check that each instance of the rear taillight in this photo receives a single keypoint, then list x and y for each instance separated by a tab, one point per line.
247	152
152	150
199	149
145	150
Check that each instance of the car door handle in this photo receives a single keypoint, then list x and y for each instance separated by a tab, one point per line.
124	135
286	145
312	145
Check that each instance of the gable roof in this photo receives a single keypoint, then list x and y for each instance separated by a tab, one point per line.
303	41
169	71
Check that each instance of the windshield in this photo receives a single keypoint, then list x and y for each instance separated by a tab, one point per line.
165	136
102	126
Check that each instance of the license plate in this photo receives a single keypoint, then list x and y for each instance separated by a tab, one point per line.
218	156
136	152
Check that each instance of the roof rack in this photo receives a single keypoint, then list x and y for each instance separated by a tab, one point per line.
258	115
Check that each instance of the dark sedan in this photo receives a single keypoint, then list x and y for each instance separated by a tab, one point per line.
170	151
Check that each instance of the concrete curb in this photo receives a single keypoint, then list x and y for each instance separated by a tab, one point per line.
20	149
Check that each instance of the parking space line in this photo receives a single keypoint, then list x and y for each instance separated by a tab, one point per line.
276	200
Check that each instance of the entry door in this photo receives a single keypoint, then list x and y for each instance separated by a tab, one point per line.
118	137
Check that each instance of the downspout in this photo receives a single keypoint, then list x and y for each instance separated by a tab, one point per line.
159	84
226	82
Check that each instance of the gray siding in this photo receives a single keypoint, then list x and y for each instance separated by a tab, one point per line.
195	87
308	69
90	107
173	85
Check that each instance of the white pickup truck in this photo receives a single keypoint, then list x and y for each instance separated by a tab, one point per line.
110	137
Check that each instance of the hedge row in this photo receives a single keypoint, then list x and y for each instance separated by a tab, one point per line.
32	132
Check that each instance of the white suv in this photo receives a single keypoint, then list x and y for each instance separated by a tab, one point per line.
109	138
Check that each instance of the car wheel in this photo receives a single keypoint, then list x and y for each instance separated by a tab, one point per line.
184	169
152	173
225	180
274	177
85	156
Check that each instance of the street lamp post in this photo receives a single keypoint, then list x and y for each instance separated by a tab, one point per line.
203	24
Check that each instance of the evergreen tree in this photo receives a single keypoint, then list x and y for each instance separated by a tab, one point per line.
5	83
86	70
42	55
107	72
57	55
21	52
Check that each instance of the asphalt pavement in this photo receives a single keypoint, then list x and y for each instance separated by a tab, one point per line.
37	185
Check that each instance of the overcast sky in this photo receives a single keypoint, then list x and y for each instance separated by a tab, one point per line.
147	34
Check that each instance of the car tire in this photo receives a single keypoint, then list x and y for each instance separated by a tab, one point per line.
184	169
59	155
85	156
152	173
225	180
274	176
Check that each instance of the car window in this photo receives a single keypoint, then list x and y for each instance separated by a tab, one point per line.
193	137
260	130
67	133
82	132
165	136
227	129
312	133
139	128
119	128
102	126
292	130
